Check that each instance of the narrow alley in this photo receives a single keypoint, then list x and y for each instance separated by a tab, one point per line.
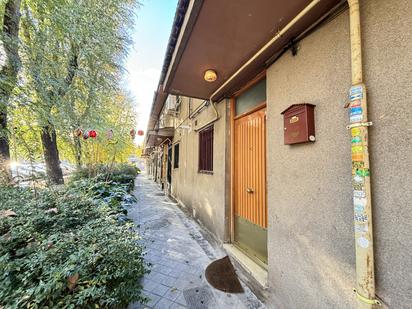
179	255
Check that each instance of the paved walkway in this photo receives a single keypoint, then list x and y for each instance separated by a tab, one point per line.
179	255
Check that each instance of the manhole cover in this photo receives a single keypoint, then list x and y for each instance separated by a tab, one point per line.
199	298
157	223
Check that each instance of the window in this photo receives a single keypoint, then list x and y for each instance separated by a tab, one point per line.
206	150
176	157
251	98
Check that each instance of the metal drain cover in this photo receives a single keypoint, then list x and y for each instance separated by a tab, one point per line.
199	298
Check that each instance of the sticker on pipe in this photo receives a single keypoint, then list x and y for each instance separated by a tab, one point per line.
361	227
356	139
359	209
356	93
363	242
358	179
355	131
355	111
361	218
359	194
356	103
355	118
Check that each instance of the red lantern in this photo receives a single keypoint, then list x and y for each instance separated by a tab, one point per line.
132	133
92	133
140	132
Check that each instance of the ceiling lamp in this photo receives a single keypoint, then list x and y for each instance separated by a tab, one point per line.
210	76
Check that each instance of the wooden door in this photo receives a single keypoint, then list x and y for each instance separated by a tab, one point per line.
250	207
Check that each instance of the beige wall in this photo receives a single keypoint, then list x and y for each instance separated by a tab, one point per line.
203	194
311	239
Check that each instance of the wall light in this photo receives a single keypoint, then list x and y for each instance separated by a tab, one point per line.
210	76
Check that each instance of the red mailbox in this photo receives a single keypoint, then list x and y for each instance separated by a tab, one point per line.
299	124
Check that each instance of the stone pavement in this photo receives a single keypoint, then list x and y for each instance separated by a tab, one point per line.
179	255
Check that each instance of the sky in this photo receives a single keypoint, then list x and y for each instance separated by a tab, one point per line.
144	62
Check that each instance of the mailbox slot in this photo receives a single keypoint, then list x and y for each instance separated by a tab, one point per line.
299	124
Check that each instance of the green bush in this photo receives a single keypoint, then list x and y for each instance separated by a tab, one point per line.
120	173
70	248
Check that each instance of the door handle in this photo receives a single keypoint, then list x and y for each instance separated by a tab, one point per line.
250	190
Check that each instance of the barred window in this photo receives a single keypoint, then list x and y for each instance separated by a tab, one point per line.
176	157
206	150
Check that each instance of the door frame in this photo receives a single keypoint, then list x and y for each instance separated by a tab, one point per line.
233	117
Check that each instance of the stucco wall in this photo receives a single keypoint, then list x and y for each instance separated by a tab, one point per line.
311	239
203	194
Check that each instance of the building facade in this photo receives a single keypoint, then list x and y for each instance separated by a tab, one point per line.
292	214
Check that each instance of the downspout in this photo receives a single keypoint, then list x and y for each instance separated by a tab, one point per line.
362	198
216	118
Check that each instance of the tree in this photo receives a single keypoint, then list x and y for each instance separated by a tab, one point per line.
72	59
8	77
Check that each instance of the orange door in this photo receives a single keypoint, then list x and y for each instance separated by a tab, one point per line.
250	207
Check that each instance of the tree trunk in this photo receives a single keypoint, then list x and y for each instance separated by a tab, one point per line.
51	155
78	151
8	78
5	172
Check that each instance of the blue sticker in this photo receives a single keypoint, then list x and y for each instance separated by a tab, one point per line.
356	110
356	97
359	209
356	90
356	93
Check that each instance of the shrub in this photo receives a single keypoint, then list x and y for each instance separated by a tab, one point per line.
120	173
69	247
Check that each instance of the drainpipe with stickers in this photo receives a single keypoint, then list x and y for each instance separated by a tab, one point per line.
361	182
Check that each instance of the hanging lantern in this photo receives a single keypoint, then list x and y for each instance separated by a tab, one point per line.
132	133
92	133
140	132
110	134
78	132
85	135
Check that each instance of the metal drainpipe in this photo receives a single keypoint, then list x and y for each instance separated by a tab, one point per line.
362	197
216	118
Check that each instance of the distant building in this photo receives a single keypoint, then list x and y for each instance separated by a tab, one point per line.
290	201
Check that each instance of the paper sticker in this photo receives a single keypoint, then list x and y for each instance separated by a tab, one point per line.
355	90
363	242
359	209
359	193
359	201
355	118
363	172
361	227
356	97
358	179
358	157
356	111
356	103
356	139
361	218
357	149
356	93
355	132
